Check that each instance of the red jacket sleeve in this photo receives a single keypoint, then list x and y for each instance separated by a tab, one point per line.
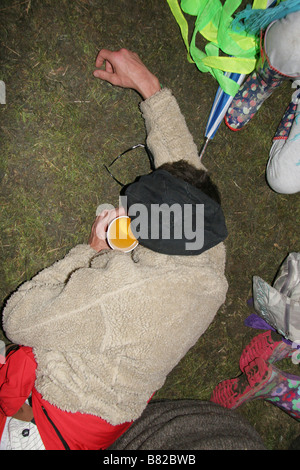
17	377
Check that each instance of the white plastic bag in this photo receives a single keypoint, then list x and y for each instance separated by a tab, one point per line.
279	305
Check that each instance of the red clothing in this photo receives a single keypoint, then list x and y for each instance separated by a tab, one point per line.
17	376
2	424
58	429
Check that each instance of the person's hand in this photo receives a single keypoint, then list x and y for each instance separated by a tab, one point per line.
125	69
97	239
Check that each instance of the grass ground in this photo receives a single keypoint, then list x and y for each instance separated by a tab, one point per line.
60	125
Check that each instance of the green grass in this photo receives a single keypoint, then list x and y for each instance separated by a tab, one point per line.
60	125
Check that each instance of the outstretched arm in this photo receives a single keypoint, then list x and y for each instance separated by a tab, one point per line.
125	69
169	139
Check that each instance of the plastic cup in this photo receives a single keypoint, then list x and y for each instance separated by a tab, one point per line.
119	234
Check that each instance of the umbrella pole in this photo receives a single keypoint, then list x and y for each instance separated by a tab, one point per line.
204	147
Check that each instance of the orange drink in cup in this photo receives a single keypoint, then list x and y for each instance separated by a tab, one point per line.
120	236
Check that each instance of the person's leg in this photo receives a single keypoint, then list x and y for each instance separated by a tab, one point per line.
282	45
252	94
261	381
279	61
283	168
260	378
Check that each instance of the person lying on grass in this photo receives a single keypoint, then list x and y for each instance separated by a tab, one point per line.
100	330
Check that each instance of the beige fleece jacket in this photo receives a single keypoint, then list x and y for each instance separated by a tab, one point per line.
107	328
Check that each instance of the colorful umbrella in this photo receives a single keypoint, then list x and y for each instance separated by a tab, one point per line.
221	104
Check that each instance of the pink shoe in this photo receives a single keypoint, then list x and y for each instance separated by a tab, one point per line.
261	381
233	393
268	346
